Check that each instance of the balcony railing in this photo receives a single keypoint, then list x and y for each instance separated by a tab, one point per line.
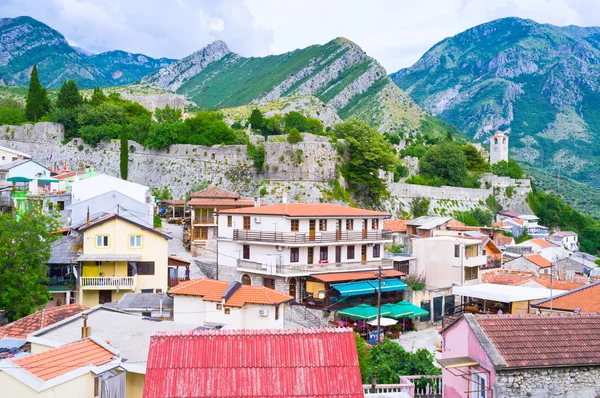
176	281
413	386
205	220
312	268
108	282
307	237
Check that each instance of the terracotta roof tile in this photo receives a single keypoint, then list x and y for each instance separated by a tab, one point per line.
540	242
254	363
512	279
49	364
213	192
586	298
455	223
355	276
538	260
544	341
395	225
223	203
19	329
500	224
517	221
504	240
308	210
213	290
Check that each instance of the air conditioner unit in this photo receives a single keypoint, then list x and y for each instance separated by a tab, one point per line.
263	312
257	220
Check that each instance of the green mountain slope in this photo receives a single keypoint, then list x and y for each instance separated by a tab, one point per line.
339	73
537	82
25	41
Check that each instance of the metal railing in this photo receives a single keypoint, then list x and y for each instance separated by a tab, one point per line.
205	220
308	237
407	385
111	282
172	282
312	268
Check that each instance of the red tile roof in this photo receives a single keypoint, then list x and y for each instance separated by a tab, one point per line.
175	260
395	225
586	298
455	223
224	203
540	242
504	240
544	341
355	276
517	221
253	363
517	279
19	329
213	290
49	364
538	260
308	210
213	193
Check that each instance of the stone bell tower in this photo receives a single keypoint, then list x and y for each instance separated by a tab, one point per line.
498	147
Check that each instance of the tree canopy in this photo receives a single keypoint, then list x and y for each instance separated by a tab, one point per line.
510	169
37	103
445	162
475	162
68	96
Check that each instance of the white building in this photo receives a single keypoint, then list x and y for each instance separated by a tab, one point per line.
498	147
277	246
8	155
25	168
87	188
213	303
111	202
446	261
567	239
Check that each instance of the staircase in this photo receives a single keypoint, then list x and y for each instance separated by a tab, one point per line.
303	316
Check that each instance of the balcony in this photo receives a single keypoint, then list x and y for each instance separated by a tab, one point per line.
107	282
293	238
307	269
479	261
204	221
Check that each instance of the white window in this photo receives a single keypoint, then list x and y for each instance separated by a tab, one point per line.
135	241
101	241
479	386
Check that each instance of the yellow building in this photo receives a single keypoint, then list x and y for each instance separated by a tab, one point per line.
120	256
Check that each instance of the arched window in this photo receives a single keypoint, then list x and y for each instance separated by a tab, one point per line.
504	140
495	140
293	287
246	280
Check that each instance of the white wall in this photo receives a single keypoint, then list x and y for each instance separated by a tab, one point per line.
194	310
94	186
29	170
9	156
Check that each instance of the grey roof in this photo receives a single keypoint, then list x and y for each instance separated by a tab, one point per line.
131	301
128	333
8	166
109	257
428	222
8	343
64	250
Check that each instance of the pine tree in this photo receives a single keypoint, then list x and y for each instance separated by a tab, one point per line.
68	96
124	152
98	96
37	103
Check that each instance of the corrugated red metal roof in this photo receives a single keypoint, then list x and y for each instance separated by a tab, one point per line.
253	363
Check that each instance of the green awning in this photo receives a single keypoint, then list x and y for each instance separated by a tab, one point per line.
403	309
362	311
19	179
48	180
369	287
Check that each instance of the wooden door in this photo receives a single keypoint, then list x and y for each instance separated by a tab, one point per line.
104	296
363	253
364	228
312	229
338	229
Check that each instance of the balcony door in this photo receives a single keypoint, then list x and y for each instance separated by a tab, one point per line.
364	229
363	253
338	254
104	296
312	224
338	229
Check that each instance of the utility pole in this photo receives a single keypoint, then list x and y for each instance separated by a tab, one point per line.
379	306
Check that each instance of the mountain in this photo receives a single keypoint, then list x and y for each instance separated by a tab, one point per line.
338	73
537	82
25	41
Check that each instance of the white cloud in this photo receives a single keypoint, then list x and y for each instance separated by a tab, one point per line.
395	32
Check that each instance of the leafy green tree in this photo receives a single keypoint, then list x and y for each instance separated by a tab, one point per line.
12	116
400	172
10	103
25	244
69	96
446	162
389	361
364	362
167	114
314	125
92	135
294	136
257	154
103	114
163	193
414	150
295	120
475	162
419	207
475	218
98	96
124	155
208	128
166	134
257	120
366	152
37	103
274	125
510	169
197	186
157	222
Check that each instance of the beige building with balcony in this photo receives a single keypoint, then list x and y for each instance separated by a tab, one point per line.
278	246
120	256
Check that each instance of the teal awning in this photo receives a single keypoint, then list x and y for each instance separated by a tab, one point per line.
369	287
19	179
48	180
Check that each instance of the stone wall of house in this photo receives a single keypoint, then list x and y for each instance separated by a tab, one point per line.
575	382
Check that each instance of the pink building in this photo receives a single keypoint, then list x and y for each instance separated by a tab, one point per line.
493	356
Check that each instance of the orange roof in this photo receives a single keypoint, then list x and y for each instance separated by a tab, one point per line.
512	279
19	329
505	240
213	192
538	260
395	225
518	221
232	203
213	290
308	210
355	276
586	298
500	224
540	242
49	364
455	223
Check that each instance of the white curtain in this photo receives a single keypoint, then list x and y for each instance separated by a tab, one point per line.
112	386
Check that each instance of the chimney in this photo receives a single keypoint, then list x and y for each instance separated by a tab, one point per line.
88	215
256	201
85	330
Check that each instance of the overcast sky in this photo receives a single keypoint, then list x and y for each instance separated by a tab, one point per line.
395	32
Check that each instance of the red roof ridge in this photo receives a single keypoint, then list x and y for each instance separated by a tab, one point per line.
250	332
